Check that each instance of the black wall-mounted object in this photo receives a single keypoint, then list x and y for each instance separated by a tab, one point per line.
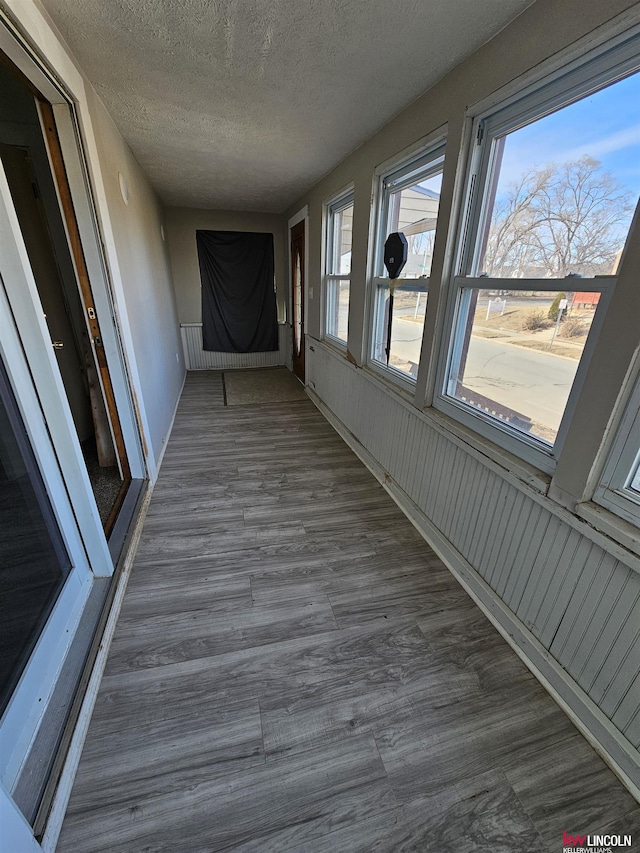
396	250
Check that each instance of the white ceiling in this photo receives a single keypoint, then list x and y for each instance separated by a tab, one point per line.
245	104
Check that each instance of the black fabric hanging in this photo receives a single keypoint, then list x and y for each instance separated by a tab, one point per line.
238	299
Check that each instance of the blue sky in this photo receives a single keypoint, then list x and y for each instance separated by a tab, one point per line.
605	125
434	184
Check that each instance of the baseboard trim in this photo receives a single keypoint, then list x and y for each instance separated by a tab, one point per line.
598	730
153	476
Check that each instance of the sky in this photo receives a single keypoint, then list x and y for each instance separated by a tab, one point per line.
434	183
605	125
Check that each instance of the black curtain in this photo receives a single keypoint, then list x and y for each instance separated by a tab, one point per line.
238	298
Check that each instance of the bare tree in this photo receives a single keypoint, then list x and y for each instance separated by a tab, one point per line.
556	220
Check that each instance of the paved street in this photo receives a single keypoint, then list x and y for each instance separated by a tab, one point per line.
535	383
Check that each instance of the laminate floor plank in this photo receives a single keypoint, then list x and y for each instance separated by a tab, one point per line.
179	592
239	538
502	729
472	643
354	588
317	792
294	671
168	754
144	641
269	670
335	710
276	492
570	779
480	815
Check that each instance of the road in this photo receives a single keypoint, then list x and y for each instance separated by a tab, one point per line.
534	383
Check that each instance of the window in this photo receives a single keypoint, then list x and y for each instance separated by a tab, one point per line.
553	186
409	202
619	489
339	224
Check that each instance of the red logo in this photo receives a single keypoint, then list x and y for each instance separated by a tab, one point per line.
573	840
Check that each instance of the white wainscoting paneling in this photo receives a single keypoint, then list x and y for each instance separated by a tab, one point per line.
580	603
198	359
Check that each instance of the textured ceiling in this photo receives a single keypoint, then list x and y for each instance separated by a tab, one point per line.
245	104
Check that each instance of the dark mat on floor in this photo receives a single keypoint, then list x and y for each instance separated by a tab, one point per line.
251	387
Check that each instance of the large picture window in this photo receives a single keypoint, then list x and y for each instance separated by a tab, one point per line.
409	200
339	226
552	191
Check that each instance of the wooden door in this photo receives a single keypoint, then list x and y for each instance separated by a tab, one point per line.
98	363
298	292
27	201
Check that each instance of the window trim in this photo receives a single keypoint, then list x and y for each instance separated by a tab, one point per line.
531	450
623	463
606	67
598	68
396	180
336	204
391	177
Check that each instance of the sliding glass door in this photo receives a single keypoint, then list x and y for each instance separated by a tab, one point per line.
51	538
34	562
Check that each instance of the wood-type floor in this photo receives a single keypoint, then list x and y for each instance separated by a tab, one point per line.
294	669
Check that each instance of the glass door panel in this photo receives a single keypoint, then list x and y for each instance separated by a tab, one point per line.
33	559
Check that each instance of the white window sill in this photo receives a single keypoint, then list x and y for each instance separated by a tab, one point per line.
392	380
336	343
403	390
616	528
523	471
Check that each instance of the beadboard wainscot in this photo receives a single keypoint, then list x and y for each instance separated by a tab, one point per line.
198	359
566	597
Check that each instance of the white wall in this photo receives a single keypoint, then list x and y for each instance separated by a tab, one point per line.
138	285
182	224
565	594
143	260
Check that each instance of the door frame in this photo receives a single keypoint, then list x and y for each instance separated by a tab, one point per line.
28	40
87	301
22	715
300	216
23	305
47	68
123	373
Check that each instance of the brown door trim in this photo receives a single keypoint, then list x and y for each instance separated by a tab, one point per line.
298	319
68	211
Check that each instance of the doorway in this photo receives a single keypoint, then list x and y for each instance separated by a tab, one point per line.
298	297
67	497
28	162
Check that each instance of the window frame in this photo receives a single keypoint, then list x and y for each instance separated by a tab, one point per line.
613	491
337	204
425	162
598	69
527	447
